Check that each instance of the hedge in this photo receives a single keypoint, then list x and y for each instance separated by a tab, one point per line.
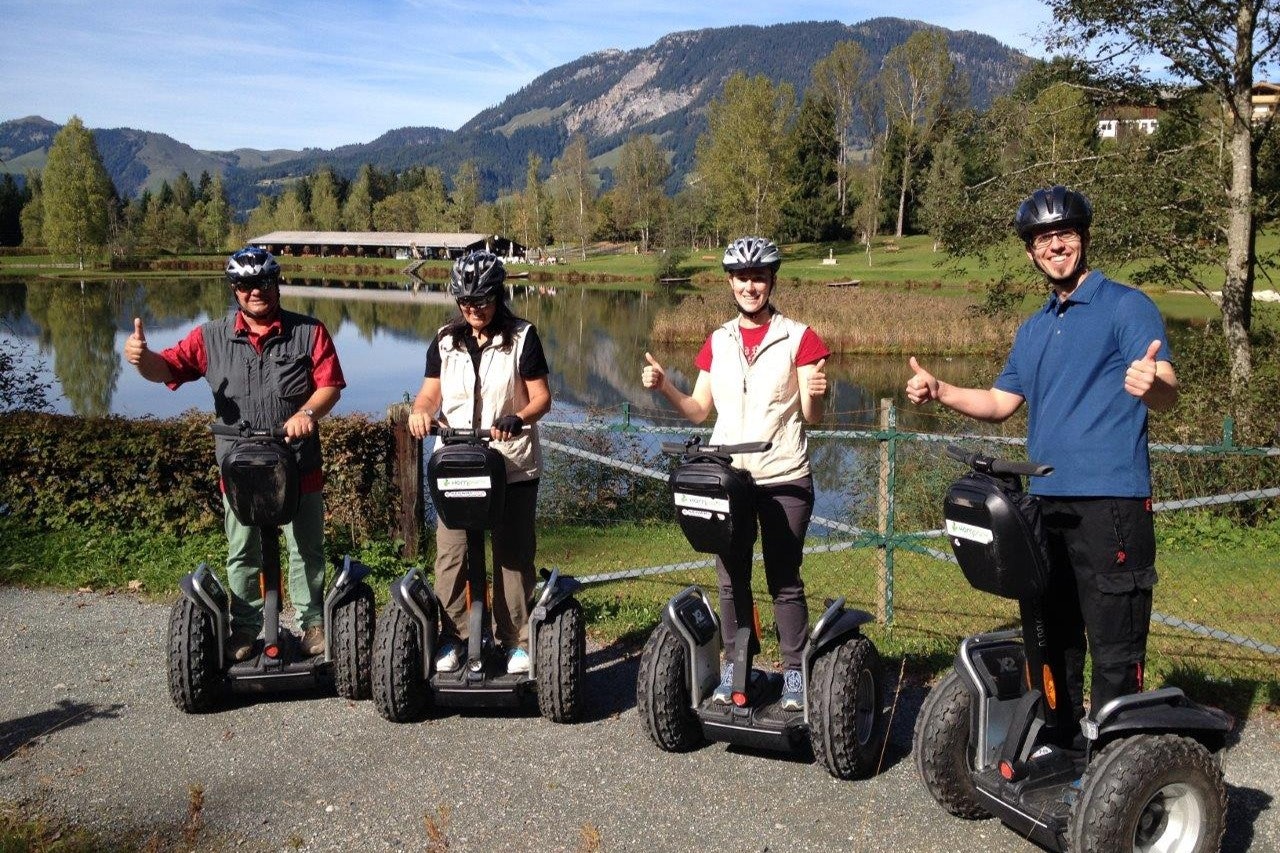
128	474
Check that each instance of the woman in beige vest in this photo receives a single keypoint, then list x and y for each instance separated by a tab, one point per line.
487	367
762	373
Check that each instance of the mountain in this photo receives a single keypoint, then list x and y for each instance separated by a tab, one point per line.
662	90
135	159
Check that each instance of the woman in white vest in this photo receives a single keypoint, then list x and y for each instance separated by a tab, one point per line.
487	367
763	374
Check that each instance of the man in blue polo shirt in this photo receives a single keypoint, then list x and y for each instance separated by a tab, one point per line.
1089	365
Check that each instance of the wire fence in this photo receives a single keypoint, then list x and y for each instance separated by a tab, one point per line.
875	535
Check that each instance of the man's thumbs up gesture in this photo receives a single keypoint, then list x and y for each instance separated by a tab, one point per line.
136	344
1141	374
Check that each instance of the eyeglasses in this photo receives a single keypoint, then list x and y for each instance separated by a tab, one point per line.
477	304
250	286
1066	235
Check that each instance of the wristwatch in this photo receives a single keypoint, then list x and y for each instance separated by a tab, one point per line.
311	413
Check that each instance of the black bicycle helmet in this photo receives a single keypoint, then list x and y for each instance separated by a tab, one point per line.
751	253
1055	207
478	275
252	265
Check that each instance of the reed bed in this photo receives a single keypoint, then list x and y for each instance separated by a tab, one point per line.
880	321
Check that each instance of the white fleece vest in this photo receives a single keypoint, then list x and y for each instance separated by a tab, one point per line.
501	393
760	401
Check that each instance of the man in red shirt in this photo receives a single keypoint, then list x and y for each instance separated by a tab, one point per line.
272	368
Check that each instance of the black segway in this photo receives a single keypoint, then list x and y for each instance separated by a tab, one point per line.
260	476
842	720
997	736
467	481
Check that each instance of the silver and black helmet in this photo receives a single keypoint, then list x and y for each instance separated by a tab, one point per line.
252	265
1055	207
477	275
750	253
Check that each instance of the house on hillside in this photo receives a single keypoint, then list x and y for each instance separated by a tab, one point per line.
406	245
1115	121
1266	100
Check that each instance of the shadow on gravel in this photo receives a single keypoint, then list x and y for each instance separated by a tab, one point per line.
1244	805
611	681
15	734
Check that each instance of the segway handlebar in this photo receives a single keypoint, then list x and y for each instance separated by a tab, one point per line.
990	465
694	445
464	433
246	430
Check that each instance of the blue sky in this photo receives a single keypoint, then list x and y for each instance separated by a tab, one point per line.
241	73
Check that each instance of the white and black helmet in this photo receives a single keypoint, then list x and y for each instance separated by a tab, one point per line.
752	253
1055	207
252	265
477	275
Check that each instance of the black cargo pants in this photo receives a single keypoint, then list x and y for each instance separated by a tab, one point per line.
1102	554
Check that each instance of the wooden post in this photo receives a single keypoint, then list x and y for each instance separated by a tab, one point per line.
883	496
406	477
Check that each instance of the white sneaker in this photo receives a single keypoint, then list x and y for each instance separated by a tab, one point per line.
449	656
517	661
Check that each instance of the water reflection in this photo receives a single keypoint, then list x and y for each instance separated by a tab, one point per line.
595	341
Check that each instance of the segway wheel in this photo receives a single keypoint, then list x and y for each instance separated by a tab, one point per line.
846	709
195	672
942	748
400	690
352	644
562	651
1150	793
662	693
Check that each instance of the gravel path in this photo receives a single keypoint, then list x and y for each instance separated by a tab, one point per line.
88	735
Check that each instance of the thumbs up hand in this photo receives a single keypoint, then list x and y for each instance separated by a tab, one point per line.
136	344
1141	374
652	375
922	386
817	382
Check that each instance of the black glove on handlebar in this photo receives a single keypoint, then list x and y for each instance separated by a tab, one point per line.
513	424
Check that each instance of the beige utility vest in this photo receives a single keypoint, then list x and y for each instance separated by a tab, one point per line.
760	401
500	393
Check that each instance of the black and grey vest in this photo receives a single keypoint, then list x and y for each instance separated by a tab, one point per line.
267	389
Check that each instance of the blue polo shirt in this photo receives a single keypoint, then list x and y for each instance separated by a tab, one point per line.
1068	362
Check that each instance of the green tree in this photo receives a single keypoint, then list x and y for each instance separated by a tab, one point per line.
326	212
637	196
1219	45
31	218
815	171
574	195
916	81
533	205
466	195
291	210
77	194
432	202
396	212
838	81
742	156
357	210
214	224
12	199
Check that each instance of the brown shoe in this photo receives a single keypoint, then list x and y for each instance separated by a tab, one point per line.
313	640
240	646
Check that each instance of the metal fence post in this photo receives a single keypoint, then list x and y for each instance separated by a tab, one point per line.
884	512
406	479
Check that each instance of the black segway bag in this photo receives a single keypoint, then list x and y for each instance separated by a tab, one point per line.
468	485
714	504
260	476
995	531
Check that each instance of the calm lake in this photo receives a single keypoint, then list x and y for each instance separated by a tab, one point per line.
73	334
